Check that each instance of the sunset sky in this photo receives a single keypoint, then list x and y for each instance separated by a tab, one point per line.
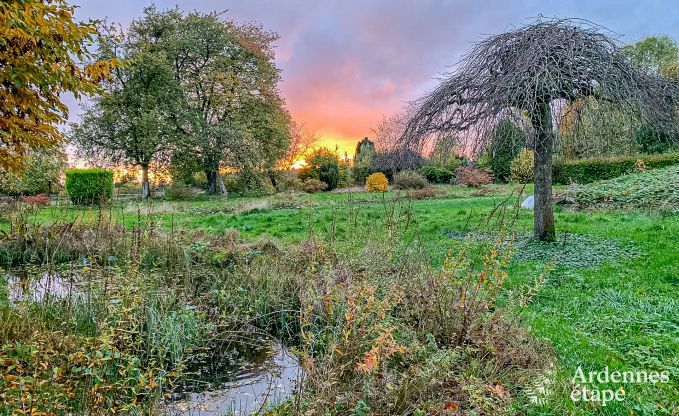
347	63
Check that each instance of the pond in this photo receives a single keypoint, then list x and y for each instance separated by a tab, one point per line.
231	380
267	379
50	284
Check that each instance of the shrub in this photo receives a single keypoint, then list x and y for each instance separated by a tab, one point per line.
409	179
41	174
437	173
249	182
392	162
323	165
377	182
424	193
127	188
346	176
39	200
590	170
472	176
179	192
89	186
287	180
654	140
311	186
658	188
365	152
522	166
506	141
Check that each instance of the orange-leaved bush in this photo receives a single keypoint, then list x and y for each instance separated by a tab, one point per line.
377	182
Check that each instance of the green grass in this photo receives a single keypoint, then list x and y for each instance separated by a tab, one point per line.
613	305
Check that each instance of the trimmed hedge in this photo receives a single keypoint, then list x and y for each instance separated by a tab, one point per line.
591	170
89	186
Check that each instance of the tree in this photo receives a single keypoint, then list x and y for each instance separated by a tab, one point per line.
363	158
322	164
530	69
134	122
41	175
444	154
227	74
302	141
268	126
40	47
506	141
596	128
653	54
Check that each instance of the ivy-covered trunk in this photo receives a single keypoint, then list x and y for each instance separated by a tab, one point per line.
544	141
145	186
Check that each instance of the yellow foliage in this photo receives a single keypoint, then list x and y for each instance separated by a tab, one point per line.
377	182
521	167
40	47
570	114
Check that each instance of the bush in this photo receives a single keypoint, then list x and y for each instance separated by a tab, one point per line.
657	188
363	157
472	176
287	180
311	186
409	179
89	186
392	162
377	182
179	192
590	170
346	176
654	140
522	166
506	141
249	182
323	165
127	188
41	174
38	200
424	193
437	173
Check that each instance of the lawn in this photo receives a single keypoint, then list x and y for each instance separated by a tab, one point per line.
610	297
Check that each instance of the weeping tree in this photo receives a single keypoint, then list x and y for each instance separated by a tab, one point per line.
535	69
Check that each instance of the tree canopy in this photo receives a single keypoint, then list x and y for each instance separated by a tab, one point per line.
234	112
533	69
41	48
193	83
135	121
657	55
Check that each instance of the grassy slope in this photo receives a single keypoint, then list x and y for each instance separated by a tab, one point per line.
623	314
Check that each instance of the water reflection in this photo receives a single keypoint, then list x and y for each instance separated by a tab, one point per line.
265	381
25	288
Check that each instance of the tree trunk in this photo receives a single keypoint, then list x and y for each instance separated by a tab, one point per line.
211	181
145	186
544	141
220	184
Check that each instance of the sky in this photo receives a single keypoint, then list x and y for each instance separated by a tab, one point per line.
346	64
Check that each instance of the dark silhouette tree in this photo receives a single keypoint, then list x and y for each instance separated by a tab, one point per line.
535	69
